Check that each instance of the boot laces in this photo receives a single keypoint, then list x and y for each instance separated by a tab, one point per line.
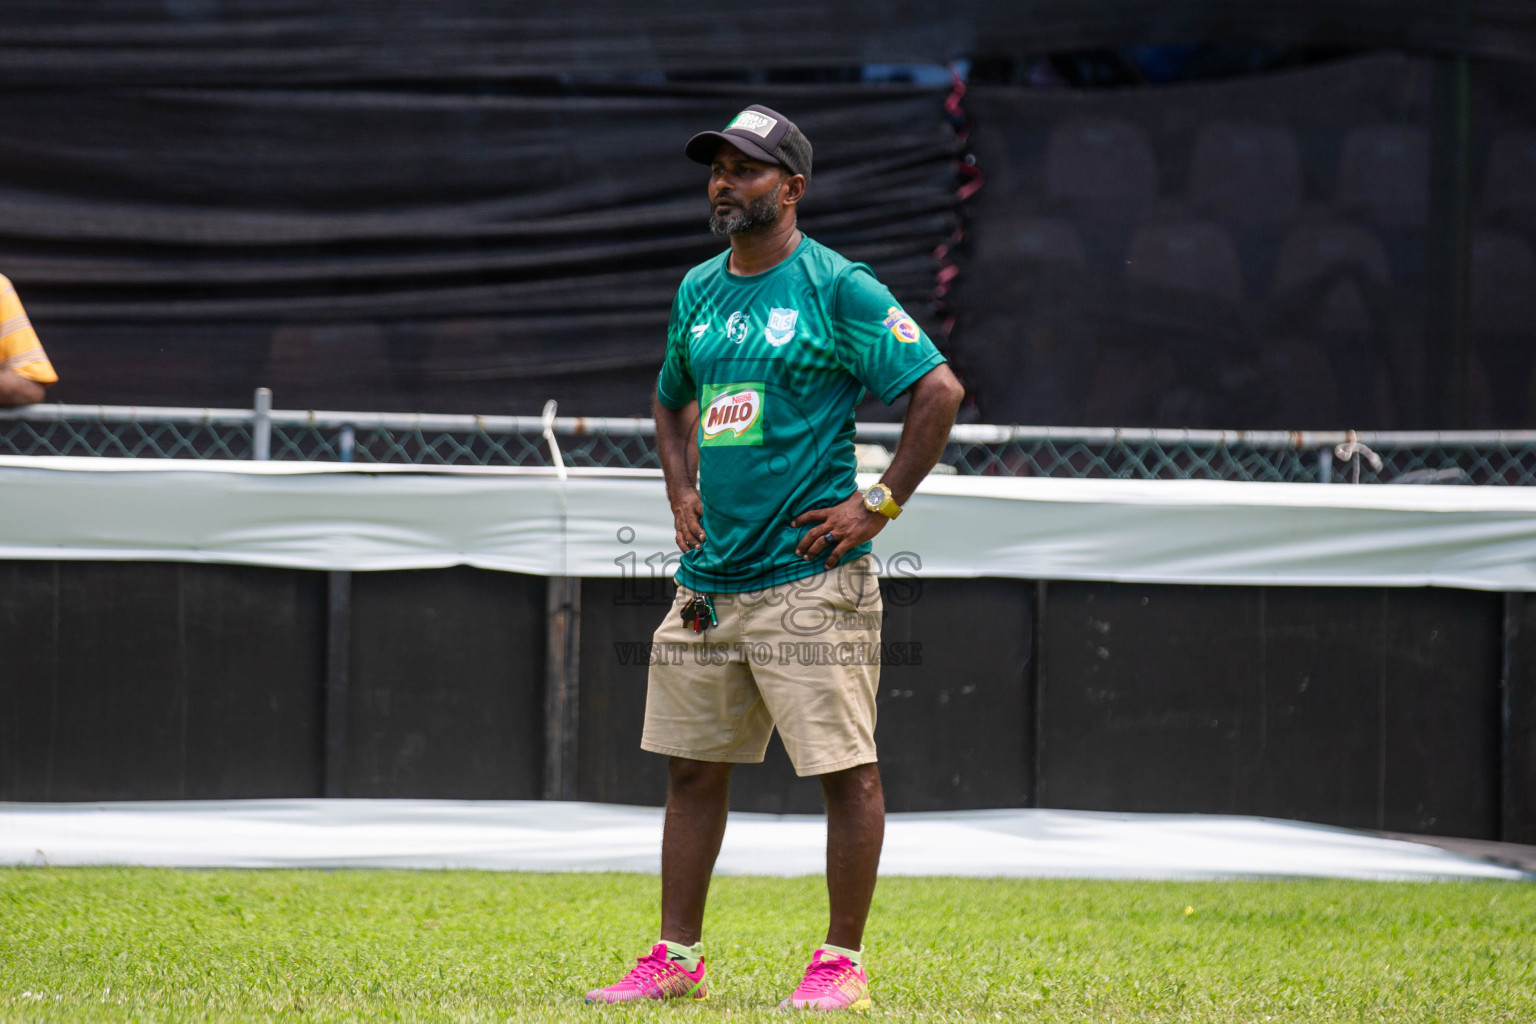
649	967
823	975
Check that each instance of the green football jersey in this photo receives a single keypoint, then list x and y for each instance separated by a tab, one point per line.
777	361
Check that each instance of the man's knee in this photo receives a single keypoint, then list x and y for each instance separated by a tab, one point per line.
688	777
861	783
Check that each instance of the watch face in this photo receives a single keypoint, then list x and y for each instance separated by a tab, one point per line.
874	498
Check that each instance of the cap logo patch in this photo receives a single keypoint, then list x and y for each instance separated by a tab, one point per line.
901	325
751	121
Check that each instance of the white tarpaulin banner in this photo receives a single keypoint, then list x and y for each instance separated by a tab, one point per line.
608	522
548	835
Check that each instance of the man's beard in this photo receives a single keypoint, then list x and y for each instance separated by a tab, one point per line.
759	213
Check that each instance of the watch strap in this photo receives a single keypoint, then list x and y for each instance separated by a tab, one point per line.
888	507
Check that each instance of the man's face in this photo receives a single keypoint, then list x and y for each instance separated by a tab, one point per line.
744	192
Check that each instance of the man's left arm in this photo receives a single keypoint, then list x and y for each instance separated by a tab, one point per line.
936	397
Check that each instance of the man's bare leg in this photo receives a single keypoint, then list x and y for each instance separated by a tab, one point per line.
698	799
855	832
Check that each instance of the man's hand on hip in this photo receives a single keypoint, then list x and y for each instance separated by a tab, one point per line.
688	519
838	530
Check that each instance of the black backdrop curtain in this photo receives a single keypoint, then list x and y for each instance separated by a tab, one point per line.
136	42
471	206
405	248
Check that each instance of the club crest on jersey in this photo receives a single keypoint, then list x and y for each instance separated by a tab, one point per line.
732	414
898	323
781	325
736	327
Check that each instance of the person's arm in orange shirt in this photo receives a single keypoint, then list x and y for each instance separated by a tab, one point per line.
18	390
25	372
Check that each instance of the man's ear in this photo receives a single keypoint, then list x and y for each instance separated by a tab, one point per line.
794	189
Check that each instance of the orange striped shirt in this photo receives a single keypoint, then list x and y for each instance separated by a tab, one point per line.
20	351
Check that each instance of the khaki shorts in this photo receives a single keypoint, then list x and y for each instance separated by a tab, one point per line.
803	656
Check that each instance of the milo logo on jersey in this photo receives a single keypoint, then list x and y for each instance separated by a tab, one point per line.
731	414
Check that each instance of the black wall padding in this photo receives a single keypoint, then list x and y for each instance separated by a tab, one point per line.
955	720
407	248
447	685
1406	709
1518	792
160	681
1365	708
264	41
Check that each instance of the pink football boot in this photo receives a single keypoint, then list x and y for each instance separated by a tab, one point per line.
654	977
831	982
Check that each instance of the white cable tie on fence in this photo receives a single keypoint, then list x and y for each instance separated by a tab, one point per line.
1353	449
549	435
565	506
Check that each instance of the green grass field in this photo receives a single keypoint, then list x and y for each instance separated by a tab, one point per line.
152	945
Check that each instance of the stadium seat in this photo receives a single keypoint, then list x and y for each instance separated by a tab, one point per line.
1509	183
1193	256
1302	388
1311	252
1127	384
1102	168
1503	285
1477	394
1384	176
1332	287
1503	325
1246	173
1047	240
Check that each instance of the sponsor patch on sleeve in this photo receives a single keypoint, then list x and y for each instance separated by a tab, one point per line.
731	414
898	323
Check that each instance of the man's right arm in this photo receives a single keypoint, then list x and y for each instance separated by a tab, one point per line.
675	431
18	390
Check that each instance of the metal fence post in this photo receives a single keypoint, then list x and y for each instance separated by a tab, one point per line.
337	698
562	674
261	426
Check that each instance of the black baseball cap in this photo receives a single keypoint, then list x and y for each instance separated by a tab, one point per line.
760	132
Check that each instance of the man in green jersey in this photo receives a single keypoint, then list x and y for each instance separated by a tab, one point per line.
771	346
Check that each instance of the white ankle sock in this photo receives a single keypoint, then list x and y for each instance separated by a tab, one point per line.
856	955
686	957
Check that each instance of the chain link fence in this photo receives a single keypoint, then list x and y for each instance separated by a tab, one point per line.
1486	457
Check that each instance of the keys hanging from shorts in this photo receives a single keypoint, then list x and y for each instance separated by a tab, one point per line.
700	613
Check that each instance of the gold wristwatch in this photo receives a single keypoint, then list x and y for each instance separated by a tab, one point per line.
878	499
